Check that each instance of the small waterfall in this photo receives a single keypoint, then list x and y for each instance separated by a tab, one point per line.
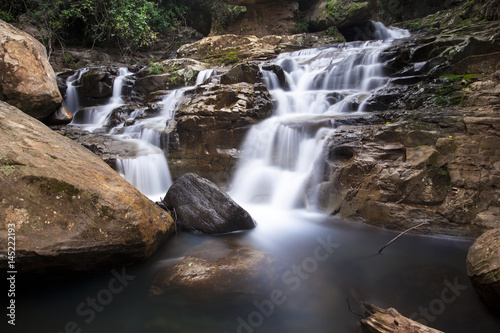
279	154
147	168
149	173
203	76
92	119
72	102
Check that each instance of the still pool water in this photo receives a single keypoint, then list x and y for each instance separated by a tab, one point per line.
322	263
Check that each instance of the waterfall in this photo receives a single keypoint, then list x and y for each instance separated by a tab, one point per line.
92	119
149	172
71	102
279	154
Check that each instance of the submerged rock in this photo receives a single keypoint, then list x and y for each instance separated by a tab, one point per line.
202	208
27	81
483	267
69	210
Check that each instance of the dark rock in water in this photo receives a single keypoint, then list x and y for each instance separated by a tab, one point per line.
202	208
483	267
279	73
219	270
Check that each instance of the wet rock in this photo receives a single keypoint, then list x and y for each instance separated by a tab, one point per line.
70	210
27	81
60	117
202	208
211	123
280	74
483	267
219	270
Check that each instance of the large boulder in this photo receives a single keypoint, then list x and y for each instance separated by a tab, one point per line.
340	13
67	208
27	81
202	208
483	267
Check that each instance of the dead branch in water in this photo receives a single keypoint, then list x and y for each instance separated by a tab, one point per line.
380	320
401	234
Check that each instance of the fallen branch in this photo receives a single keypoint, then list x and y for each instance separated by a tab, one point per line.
401	234
391	321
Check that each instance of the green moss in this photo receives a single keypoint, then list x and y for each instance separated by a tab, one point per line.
343	8
224	57
55	186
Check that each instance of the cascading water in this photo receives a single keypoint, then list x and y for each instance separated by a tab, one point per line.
72	102
279	153
92	119
147	169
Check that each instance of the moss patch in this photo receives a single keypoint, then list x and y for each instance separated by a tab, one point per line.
224	57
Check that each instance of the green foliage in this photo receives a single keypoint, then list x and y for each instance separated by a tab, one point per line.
130	24
156	68
301	24
222	13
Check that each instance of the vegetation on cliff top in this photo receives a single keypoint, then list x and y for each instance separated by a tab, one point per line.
127	24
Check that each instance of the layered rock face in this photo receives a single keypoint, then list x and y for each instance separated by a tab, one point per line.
27	81
69	210
435	158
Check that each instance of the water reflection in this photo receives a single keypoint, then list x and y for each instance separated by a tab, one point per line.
319	262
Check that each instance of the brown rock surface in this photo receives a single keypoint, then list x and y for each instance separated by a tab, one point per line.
211	123
483	267
27	81
70	210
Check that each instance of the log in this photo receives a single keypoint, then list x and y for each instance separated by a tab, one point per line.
380	320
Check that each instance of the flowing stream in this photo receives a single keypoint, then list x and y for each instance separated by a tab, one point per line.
320	262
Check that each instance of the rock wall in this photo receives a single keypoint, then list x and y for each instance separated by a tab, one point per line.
433	154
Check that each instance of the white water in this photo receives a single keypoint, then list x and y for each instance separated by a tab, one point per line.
147	170
92	119
279	154
72	102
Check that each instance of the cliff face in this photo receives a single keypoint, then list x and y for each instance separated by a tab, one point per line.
433	155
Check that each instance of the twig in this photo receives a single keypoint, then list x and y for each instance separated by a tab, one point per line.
401	234
349	307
